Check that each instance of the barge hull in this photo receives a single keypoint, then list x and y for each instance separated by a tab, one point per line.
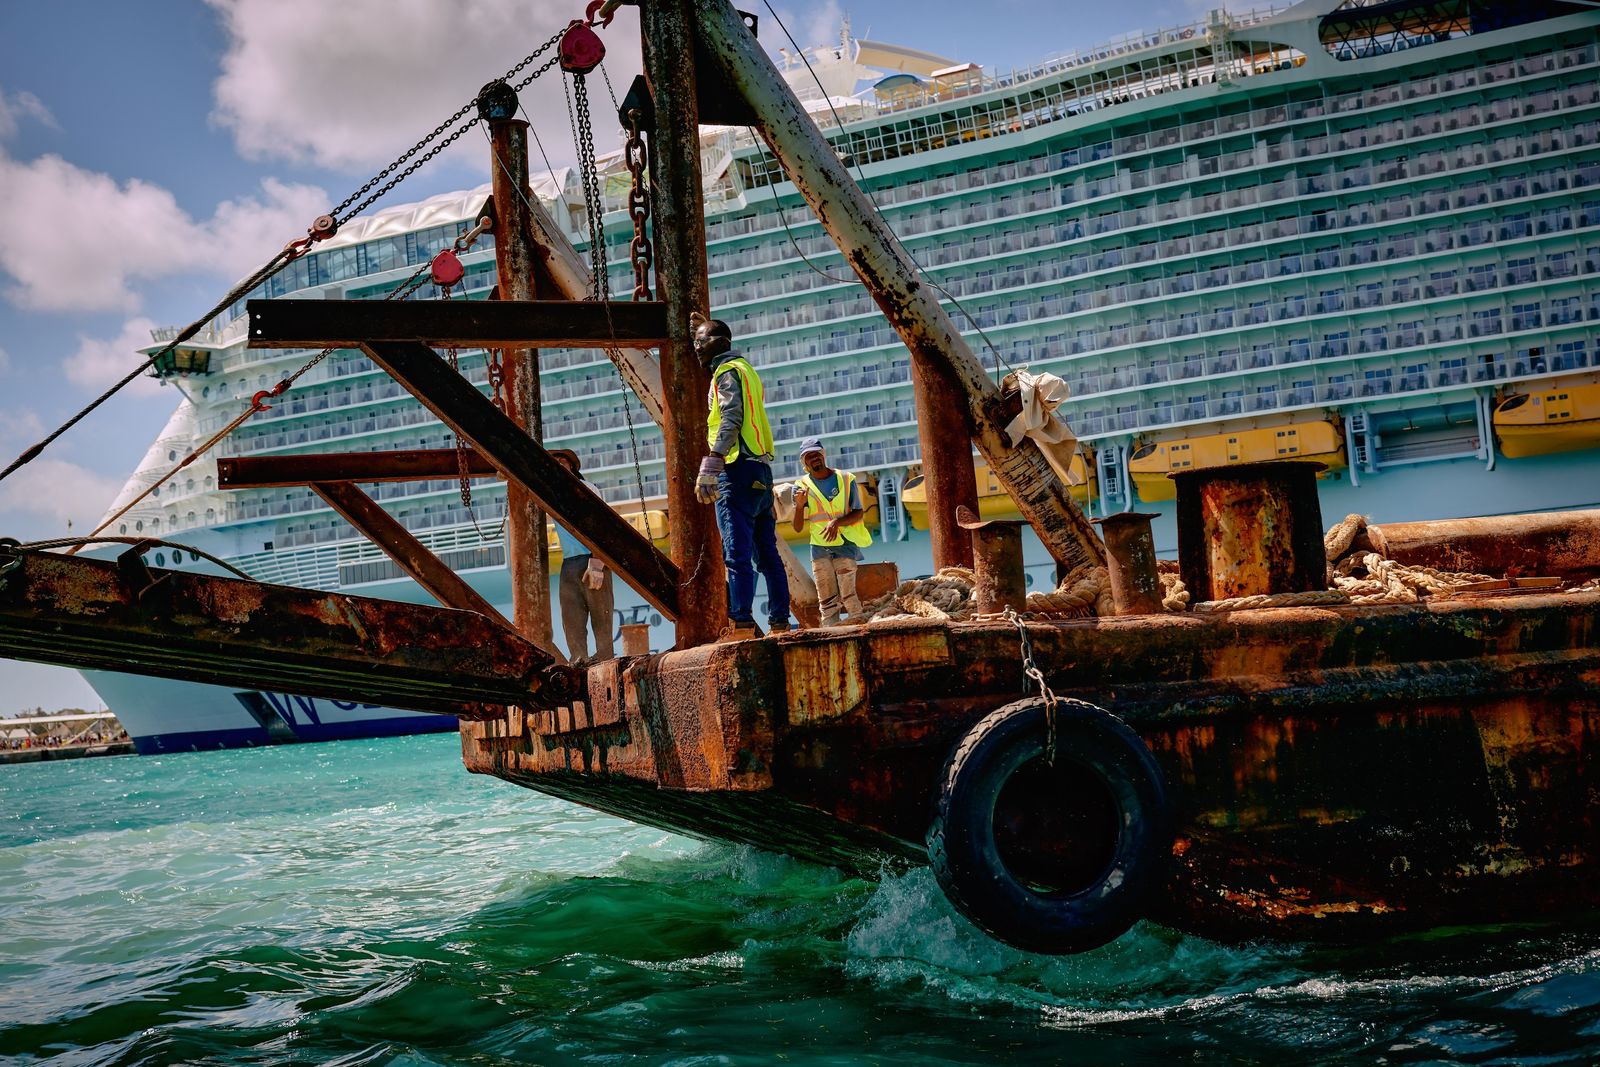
1333	773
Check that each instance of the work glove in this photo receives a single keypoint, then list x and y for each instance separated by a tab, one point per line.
706	487
595	575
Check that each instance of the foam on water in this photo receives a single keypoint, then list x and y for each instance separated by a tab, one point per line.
370	902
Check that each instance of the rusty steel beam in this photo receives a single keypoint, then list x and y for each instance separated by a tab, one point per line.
667	28
1562	544
527	546
508	323
474	418
408	553
94	614
410	465
890	275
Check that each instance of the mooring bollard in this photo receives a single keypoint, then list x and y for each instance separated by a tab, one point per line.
1250	529
635	639
1131	562
997	562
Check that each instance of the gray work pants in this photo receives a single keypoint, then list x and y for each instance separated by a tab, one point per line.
581	607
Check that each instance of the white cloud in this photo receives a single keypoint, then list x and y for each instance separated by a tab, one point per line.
72	239
20	427
5	361
243	234
99	362
403	66
59	221
58	490
23	105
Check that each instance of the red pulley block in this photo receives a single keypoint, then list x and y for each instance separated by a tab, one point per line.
447	269
581	50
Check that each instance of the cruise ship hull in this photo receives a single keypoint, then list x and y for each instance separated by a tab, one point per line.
164	716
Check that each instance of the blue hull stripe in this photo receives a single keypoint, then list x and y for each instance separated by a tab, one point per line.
251	737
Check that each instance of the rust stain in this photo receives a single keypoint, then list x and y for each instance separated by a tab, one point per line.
824	681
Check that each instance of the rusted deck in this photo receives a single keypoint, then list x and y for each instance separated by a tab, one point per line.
1332	772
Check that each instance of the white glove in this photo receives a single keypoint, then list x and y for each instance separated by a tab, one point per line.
595	576
706	487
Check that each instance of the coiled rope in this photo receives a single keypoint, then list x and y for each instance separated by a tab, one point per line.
1355	576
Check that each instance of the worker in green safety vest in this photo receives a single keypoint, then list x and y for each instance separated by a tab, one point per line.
829	502
736	475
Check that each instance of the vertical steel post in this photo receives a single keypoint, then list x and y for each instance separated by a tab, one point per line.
635	639
948	478
527	543
679	201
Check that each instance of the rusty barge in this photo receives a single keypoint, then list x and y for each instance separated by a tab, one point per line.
1278	759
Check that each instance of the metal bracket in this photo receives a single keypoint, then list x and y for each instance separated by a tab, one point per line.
718	101
131	568
10	557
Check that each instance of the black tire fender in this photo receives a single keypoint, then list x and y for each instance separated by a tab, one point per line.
1100	812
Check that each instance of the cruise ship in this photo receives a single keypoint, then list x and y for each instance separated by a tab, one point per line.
1365	233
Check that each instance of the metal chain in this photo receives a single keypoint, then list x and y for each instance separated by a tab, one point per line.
1031	672
342	215
638	207
497	379
600	282
612	93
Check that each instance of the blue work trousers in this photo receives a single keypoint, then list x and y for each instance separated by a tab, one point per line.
750	541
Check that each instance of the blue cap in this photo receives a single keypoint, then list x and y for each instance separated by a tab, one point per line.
811	444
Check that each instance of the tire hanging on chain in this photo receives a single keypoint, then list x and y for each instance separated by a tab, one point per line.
1053	856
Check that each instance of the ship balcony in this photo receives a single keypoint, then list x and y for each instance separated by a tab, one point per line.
182	362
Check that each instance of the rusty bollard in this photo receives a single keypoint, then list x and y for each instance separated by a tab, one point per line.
635	639
1131	562
1250	529
997	562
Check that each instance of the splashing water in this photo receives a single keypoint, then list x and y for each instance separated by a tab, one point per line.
372	903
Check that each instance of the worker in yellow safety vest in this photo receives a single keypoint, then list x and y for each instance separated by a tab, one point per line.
829	502
736	475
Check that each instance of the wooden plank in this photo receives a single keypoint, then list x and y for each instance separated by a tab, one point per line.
95	614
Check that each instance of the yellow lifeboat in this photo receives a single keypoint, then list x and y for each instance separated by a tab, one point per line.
1152	462
1550	420
993	500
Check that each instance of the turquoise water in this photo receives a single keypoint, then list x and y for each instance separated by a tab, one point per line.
372	903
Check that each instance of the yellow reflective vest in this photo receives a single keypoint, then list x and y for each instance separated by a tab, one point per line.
755	436
823	510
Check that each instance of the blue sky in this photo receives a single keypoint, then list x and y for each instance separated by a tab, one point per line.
151	153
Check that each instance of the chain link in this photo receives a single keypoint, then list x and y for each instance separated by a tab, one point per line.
638	207
1031	672
497	379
